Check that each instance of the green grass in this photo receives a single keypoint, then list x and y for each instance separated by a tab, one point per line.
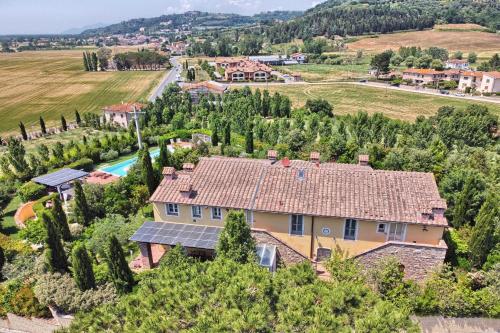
323	72
9	226
350	98
52	83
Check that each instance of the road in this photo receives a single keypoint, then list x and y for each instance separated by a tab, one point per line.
170	77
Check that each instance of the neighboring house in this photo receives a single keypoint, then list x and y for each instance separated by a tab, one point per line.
306	209
121	114
457	64
271	60
226	62
423	76
470	79
248	70
490	82
299	57
197	90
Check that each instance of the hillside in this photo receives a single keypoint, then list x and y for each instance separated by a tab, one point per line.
351	17
192	20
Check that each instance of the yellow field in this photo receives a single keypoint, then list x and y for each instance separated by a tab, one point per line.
454	37
53	83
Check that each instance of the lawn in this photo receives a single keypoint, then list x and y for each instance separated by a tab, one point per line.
465	38
52	83
200	74
9	226
323	72
350	98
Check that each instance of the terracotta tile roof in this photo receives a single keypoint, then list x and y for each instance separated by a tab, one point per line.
168	171
495	75
124	107
209	85
229	60
472	73
248	66
457	61
327	189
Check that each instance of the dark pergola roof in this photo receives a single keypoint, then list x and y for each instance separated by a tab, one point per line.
60	177
188	235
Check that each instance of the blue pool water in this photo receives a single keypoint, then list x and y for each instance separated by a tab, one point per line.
121	169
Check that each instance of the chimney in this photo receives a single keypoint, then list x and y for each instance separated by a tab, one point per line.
168	173
363	160
186	189
272	155
285	162
314	157
188	167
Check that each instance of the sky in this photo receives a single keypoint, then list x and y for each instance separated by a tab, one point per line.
56	16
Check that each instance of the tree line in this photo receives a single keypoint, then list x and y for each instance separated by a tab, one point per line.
140	60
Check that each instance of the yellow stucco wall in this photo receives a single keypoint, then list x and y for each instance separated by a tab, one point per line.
279	226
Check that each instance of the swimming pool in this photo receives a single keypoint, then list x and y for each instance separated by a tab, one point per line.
121	169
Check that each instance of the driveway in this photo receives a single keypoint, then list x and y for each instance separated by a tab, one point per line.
438	324
169	77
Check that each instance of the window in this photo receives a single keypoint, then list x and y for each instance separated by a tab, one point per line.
350	229
297	225
216	213
196	211
172	209
381	228
249	216
397	232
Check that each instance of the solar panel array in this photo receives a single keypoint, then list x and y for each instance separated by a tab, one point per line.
60	177
188	235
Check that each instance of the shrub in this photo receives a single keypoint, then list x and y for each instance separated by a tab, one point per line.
18	298
34	232
109	155
12	247
20	266
61	291
85	164
31	191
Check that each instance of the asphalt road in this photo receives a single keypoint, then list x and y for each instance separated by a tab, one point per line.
170	77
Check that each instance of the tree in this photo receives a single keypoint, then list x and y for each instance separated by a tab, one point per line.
64	125
249	138
60	219
215	135
2	262
119	271
482	239
86	64
23	131
78	119
381	62
235	240
463	212
103	55
320	106
472	57
163	159
42	126
149	177
54	253
94	62
266	103
227	133
458	55
437	65
81	208
82	268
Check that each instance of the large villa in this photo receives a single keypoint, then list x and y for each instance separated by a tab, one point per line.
300	210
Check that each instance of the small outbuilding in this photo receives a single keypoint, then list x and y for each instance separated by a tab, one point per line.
60	181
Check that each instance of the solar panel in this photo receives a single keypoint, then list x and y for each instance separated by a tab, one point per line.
188	235
60	177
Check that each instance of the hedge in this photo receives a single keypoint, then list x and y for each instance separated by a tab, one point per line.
85	164
183	134
31	191
39	205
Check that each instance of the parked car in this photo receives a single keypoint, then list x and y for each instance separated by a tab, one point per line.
459	94
363	81
444	92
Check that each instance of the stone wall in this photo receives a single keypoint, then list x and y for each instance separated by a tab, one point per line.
418	259
287	255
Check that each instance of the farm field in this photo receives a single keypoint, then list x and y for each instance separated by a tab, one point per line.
463	37
351	98
52	83
324	72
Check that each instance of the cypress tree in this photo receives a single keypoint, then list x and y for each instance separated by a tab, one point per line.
461	215
2	262
482	239
54	254
249	139
42	126
78	119
64	125
85	62
61	220
82	268
81	210
163	159
23	131
227	133
148	174
94	61
236	241
215	136
119	271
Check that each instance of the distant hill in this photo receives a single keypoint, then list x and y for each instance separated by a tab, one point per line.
76	31
357	17
193	19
